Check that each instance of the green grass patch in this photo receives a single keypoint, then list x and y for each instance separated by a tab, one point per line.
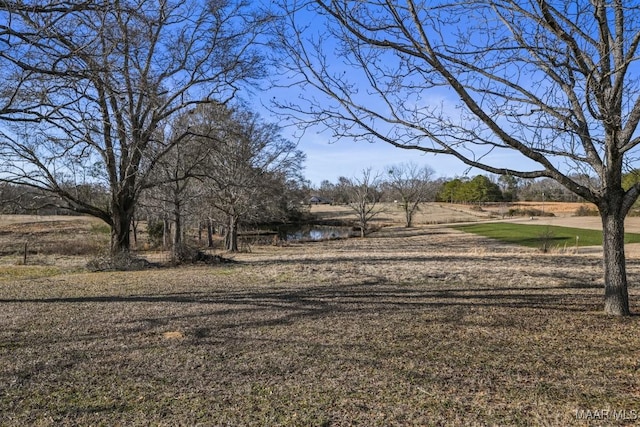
535	235
10	272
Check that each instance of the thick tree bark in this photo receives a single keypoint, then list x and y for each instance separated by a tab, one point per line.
120	232
122	209
616	299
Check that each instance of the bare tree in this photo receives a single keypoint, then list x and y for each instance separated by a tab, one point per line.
364	193
175	192
89	87
246	160
554	82
412	184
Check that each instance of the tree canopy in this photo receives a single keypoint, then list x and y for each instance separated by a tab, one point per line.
89	88
479	189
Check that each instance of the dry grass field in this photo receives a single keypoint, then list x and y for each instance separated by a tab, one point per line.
422	326
52	240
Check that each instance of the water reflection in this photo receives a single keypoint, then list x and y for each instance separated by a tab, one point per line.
313	232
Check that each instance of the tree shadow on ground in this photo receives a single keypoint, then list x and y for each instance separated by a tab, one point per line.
288	304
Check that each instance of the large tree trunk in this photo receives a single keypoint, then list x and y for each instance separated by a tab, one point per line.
120	232
616	296
122	209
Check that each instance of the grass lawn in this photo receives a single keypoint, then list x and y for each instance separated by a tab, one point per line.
534	236
408	327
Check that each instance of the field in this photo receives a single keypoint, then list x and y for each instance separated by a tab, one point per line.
537	236
420	326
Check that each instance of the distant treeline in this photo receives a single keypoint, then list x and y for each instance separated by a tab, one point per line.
481	188
477	189
19	199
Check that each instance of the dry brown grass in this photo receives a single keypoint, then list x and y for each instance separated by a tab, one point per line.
443	213
422	326
392	214
50	239
557	208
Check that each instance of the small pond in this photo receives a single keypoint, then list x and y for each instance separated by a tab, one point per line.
314	232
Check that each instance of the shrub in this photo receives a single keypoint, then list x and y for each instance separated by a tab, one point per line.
528	212
545	238
121	262
584	210
189	255
79	247
155	231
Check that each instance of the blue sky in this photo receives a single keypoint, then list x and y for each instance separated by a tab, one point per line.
329	159
346	158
